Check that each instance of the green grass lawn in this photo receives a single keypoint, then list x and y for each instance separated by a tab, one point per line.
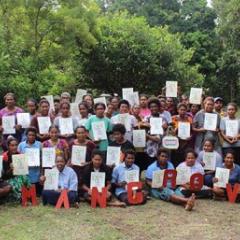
155	220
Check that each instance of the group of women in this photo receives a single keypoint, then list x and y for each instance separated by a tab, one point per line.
146	160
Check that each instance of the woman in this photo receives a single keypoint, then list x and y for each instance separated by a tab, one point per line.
43	112
198	126
93	120
171	106
110	111
144	110
234	177
194	108
153	140
60	145
208	147
66	116
10	110
231	138
136	112
84	113
194	167
115	102
16	182
88	98
32	143
184	143
167	193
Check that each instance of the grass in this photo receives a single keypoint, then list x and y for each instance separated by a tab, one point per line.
155	220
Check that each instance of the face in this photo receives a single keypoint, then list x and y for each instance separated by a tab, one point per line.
136	110
182	111
129	160
60	163
100	111
115	102
31	137
53	133
209	106
190	159
88	100
154	108
110	109
97	161
81	134
124	108
44	109
229	160
231	111
83	111
208	147
57	106
65	110
194	108
143	102
163	104
185	100
65	98
10	101
163	158
169	102
31	106
118	136
13	146
218	105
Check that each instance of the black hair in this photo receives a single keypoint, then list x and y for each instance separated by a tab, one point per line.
53	126
44	100
11	139
162	150
211	140
80	127
31	129
83	103
119	128
190	150
230	151
99	104
96	152
155	101
129	151
124	102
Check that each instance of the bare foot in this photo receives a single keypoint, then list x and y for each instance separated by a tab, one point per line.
190	203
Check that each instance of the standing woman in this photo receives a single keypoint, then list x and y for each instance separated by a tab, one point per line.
10	110
144	110
115	102
66	114
88	98
60	145
84	113
16	182
43	112
198	127
233	141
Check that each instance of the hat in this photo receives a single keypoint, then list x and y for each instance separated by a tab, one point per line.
218	99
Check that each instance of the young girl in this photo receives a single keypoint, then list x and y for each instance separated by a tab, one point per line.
84	113
88	98
60	145
208	146
31	142
66	114
234	177
233	141
16	182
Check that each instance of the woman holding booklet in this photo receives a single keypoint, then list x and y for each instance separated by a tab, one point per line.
154	179
66	123
63	178
228	173
15	181
206	125
230	131
8	121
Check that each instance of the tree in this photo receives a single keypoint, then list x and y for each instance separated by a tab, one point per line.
130	53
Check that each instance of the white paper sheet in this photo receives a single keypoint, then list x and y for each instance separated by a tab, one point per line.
78	155
195	96
184	130
23	119
8	124
209	159
99	131
20	164
66	125
171	88
51	182
210	121
156	126
139	138
113	155
44	124
222	174
33	157
48	157
232	128
98	180
157	178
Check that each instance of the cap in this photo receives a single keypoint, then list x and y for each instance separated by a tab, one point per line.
218	99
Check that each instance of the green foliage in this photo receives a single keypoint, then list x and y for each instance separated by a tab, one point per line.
131	53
